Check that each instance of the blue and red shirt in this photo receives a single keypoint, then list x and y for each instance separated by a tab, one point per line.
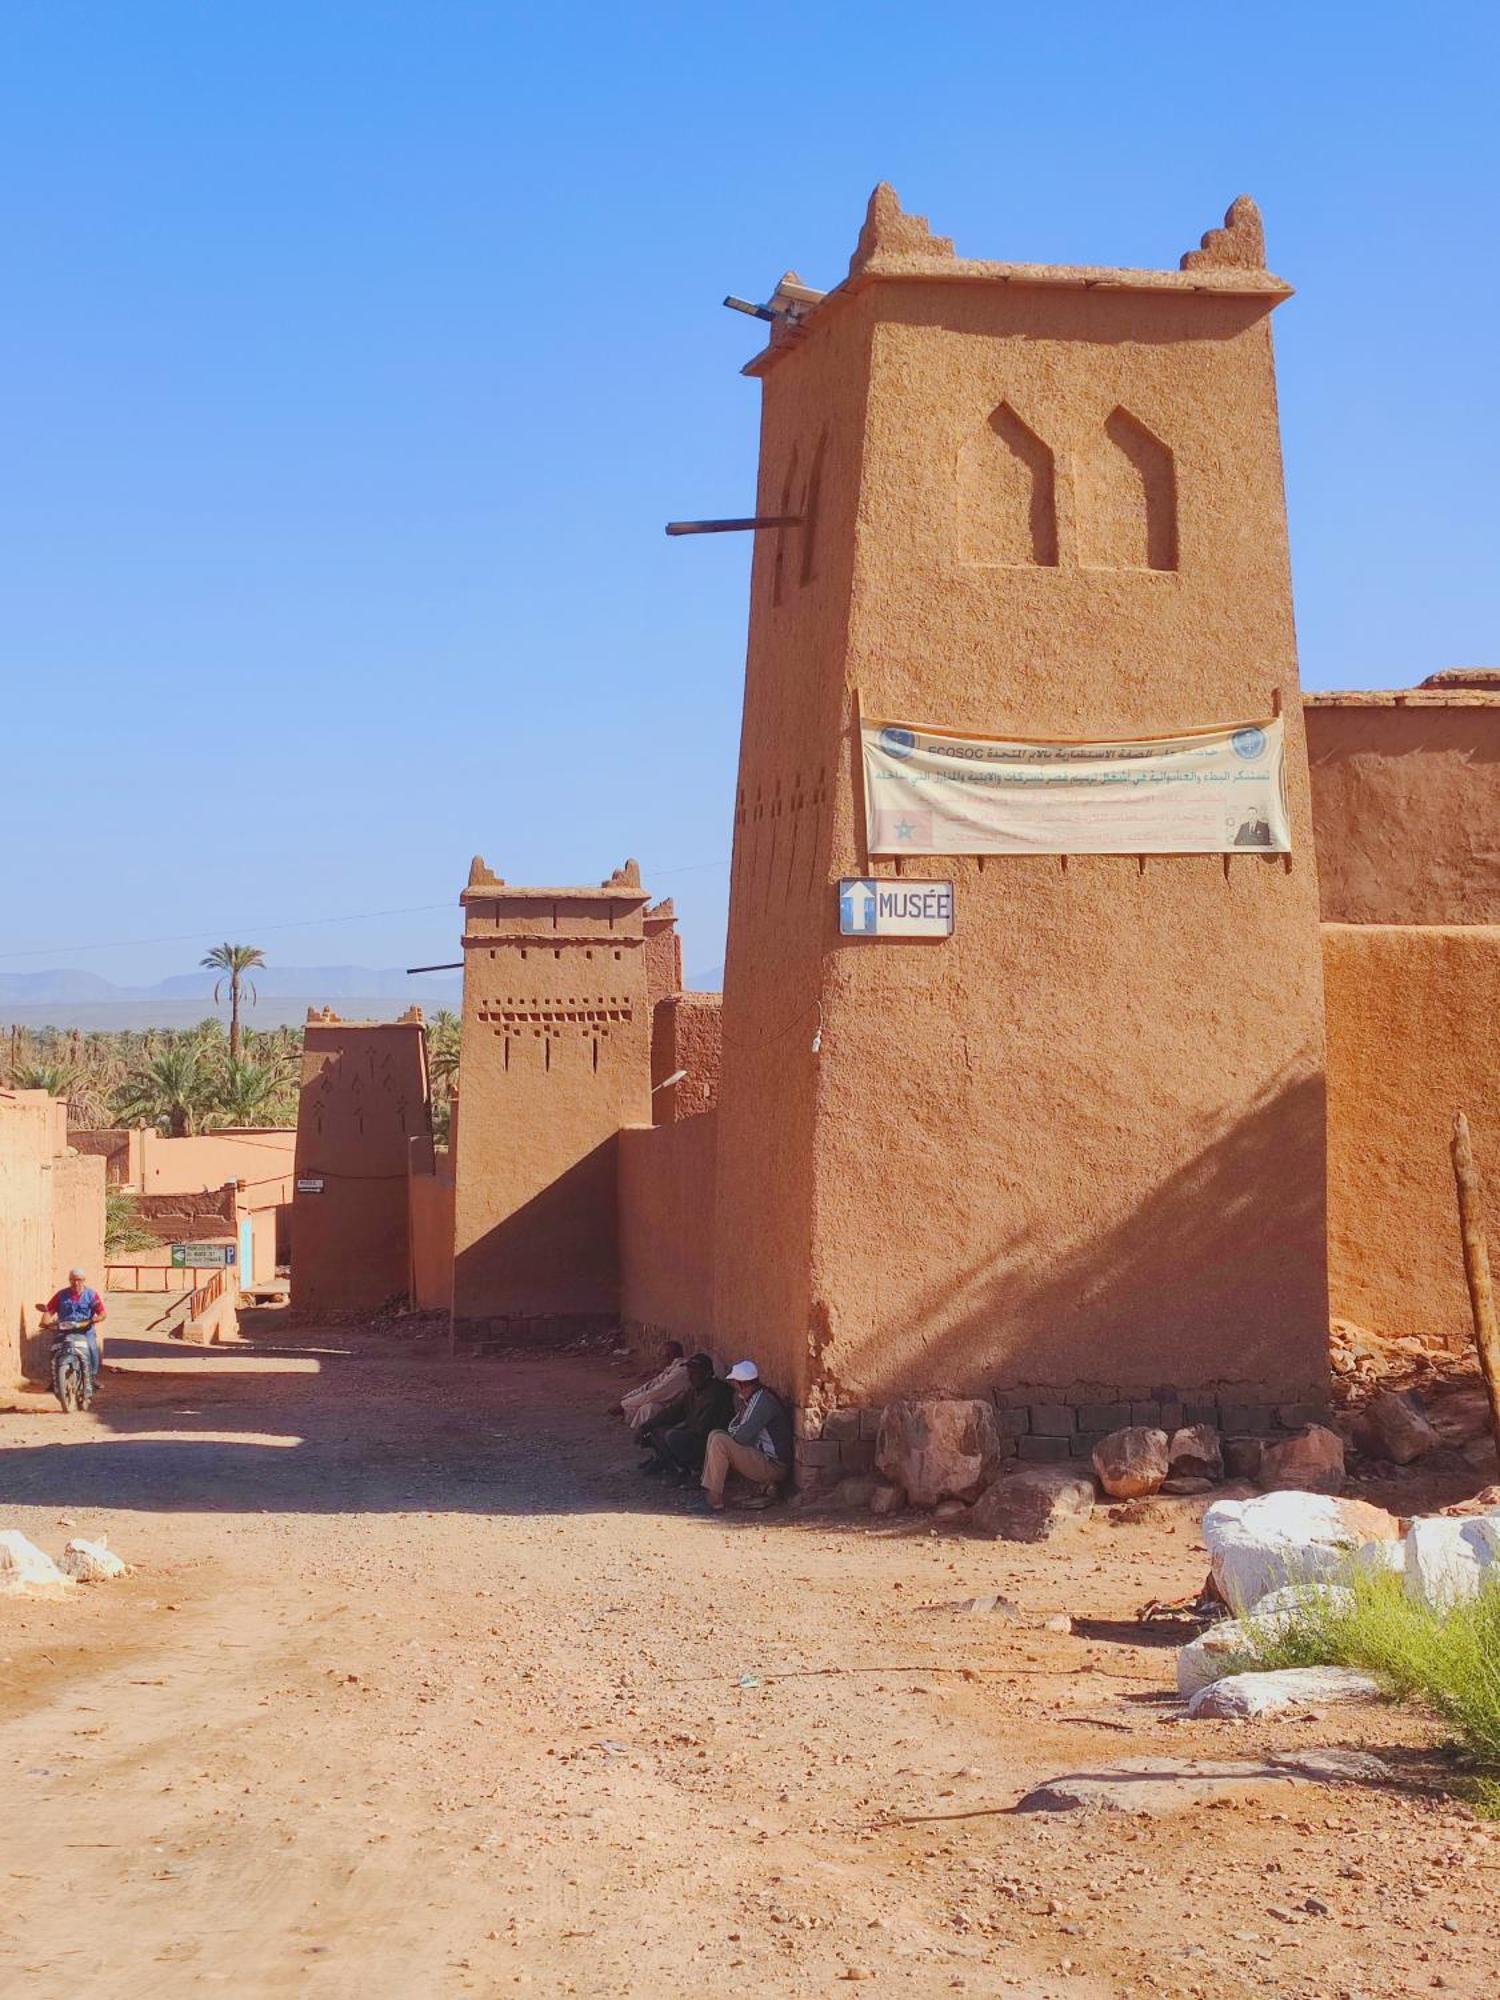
76	1308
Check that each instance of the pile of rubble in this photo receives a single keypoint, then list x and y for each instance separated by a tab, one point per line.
1397	1399
1396	1402
27	1571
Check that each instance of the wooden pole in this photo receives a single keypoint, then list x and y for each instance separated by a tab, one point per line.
1477	1265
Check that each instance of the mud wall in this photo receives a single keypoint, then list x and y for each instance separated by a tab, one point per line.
1406	806
431	1222
1411	1040
686	1035
364	1112
667	1176
51	1217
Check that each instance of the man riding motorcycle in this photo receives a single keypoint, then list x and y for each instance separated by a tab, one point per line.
78	1309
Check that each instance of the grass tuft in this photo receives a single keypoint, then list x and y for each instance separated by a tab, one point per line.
1447	1662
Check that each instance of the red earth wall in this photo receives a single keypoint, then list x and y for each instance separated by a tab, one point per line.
364	1110
667	1175
1411	1020
1406	805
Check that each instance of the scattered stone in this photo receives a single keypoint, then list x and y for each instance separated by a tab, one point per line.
91	1562
1033	1504
1394	1425
1131	1463
1460	1416
978	1607
1241	1697
1256	1546
940	1448
1310	1462
1196	1452
1448	1559
858	1490
887	1499
1226	1647
26	1570
1160	1785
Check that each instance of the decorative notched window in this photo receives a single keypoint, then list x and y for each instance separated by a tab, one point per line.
1127	498
1007	494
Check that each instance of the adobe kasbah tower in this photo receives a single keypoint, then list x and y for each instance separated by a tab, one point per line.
555	1059
1079	1144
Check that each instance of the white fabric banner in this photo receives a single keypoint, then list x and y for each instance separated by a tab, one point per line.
1216	791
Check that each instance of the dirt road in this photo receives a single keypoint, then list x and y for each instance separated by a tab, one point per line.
418	1689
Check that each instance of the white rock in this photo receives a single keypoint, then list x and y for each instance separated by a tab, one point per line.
26	1570
1448	1559
91	1562
1210	1656
1257	1546
1243	1696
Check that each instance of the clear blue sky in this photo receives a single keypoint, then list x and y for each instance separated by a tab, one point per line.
355	353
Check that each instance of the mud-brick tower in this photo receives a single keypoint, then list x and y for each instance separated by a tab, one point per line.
555	1057
1078	1146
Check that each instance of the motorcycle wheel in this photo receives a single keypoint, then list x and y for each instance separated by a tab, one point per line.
70	1383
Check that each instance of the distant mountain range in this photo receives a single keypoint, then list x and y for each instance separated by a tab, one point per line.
329	982
67	999
61	998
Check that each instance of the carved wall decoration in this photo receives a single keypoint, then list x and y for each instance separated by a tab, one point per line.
1007	494
1127	498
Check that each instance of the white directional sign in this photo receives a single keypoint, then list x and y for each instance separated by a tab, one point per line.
875	906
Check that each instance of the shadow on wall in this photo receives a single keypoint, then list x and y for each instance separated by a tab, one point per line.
556	1254
1162	1290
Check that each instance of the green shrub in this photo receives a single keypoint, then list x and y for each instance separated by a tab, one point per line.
1447	1662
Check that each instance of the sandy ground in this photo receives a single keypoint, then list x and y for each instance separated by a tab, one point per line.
418	1689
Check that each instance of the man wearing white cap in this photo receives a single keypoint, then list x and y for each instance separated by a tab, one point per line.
79	1307
758	1442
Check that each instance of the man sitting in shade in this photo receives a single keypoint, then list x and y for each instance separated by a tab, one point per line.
677	1436
757	1444
639	1405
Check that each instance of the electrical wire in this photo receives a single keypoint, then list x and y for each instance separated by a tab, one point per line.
298	923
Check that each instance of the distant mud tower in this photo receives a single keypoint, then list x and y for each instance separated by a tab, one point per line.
364	1121
1080	1144
555	1058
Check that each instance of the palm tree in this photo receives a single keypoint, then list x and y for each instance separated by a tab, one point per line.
172	1090
236	960
245	1093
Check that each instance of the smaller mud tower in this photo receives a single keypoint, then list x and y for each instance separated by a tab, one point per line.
364	1123
1079	1144
555	1058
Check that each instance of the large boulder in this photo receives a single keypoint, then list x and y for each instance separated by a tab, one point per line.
1310	1462
1196	1452
1225	1648
90	1562
1131	1463
26	1570
1257	1546
941	1448
1242	1697
1033	1504
1395	1426
1448	1560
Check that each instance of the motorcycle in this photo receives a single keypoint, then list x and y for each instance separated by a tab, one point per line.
72	1383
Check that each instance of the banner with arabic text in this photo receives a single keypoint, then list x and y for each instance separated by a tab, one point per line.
1215	791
